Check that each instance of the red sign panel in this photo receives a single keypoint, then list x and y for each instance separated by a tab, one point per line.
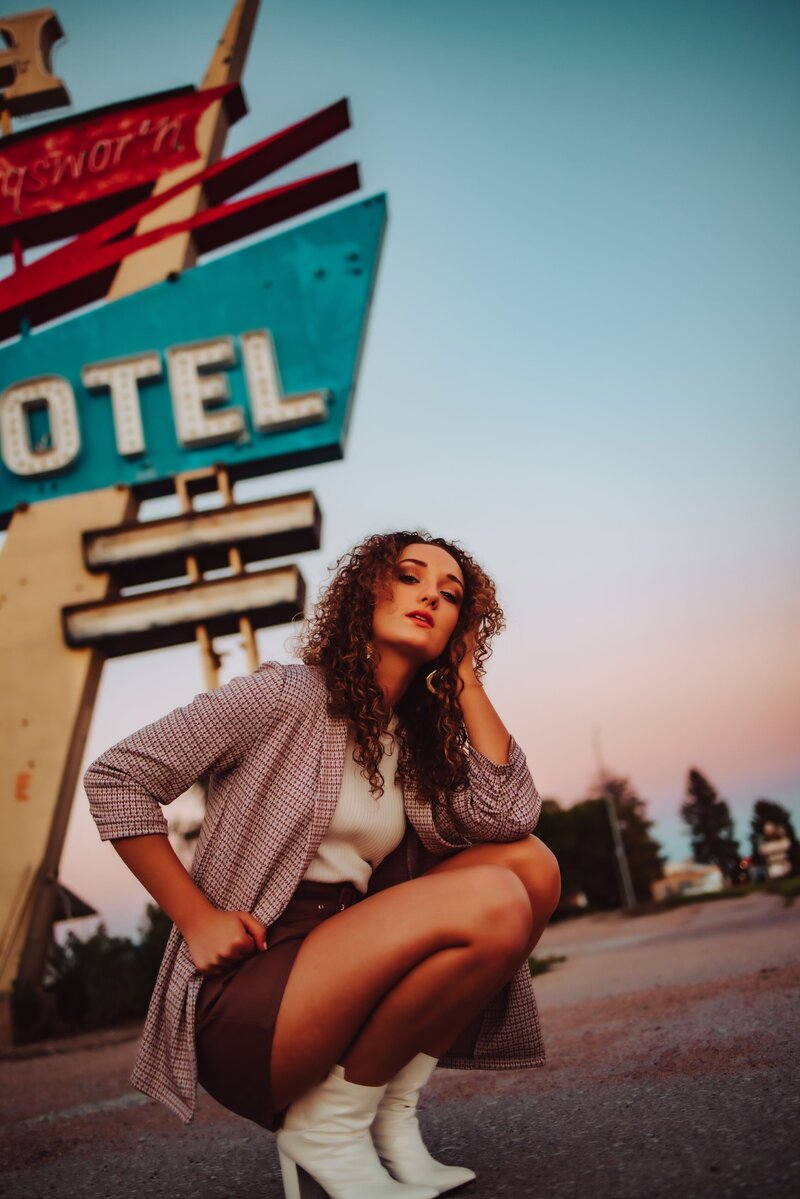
98	156
79	272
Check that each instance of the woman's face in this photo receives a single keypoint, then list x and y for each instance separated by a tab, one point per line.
418	611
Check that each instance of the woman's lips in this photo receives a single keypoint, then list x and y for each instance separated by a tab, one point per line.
420	618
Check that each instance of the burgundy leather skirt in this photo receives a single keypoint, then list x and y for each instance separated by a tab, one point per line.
236	1011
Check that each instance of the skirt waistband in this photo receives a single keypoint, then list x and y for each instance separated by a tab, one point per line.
327	896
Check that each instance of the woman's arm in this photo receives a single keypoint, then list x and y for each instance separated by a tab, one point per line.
128	784
485	729
500	802
215	939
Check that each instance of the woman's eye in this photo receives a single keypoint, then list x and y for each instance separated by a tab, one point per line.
408	579
448	595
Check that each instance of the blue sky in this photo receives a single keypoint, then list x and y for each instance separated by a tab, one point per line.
582	360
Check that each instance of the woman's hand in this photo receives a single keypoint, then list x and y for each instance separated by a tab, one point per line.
220	940
485	729
217	940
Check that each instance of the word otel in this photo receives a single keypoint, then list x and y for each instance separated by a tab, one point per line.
199	393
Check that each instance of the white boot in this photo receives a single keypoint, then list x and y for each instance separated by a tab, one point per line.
396	1134
325	1134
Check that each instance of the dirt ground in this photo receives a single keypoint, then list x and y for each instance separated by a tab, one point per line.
673	1060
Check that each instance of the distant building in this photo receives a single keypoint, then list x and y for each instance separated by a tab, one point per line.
687	878
774	847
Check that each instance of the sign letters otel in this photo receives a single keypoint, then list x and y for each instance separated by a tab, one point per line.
181	380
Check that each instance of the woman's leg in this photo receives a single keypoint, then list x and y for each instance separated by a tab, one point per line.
395	974
537	869
532	862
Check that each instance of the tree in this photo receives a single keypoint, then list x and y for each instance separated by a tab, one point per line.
581	839
595	865
771	821
710	826
642	851
94	982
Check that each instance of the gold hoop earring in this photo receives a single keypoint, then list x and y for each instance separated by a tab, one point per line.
429	683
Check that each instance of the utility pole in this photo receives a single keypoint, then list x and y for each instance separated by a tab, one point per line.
627	893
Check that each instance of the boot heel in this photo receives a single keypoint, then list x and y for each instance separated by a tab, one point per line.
297	1184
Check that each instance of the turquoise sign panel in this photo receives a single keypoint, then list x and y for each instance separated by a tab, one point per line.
308	288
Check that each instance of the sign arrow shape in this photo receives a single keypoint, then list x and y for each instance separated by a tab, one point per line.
306	292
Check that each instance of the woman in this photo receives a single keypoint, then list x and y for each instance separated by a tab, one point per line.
345	925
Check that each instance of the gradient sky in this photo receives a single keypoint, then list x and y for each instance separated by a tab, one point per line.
582	360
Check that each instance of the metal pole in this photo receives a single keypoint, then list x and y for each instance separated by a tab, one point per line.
235	560
208	655
627	893
626	885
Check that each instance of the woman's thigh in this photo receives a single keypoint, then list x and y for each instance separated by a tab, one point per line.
529	858
349	962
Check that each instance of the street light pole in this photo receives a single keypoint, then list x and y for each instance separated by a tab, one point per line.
623	870
626	884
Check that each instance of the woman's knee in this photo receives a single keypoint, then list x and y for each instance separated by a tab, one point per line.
498	909
537	868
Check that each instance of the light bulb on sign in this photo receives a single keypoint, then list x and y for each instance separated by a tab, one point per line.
272	411
193	392
121	376
55	394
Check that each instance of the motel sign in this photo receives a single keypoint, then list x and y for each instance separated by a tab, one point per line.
249	360
131	368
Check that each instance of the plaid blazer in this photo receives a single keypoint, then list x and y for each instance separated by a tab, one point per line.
274	757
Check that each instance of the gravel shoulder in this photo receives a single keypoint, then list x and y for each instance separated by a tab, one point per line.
673	1049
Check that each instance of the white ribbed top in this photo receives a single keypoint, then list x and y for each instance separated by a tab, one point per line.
364	830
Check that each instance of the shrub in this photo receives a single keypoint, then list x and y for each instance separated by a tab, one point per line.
93	983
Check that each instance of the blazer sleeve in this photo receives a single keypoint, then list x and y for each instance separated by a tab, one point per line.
127	784
499	803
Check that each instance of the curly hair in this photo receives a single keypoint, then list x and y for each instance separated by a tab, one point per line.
430	730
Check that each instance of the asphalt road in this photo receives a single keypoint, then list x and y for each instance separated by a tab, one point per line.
674	1055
